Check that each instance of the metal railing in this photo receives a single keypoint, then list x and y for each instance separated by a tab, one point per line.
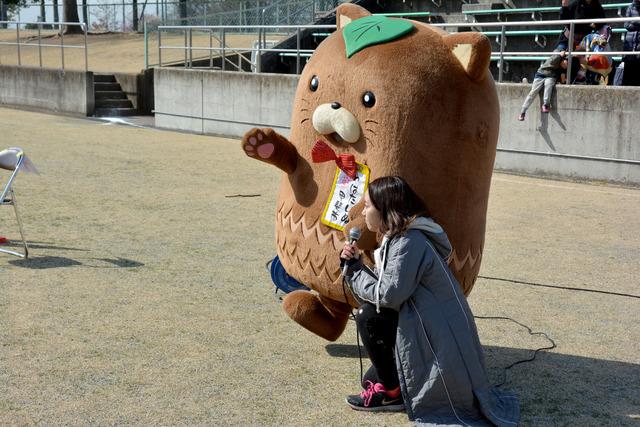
38	26
223	48
570	51
261	45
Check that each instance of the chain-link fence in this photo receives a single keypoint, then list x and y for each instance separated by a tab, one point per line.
126	16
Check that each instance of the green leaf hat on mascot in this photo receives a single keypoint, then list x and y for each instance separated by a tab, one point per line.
380	96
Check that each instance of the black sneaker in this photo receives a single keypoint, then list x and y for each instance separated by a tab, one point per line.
375	399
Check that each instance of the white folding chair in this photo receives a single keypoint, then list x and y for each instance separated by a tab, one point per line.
13	159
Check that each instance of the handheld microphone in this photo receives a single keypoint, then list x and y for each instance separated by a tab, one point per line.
354	236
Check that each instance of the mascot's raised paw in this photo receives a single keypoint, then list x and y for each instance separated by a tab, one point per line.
257	145
271	147
354	120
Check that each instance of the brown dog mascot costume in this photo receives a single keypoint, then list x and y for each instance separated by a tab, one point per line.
379	97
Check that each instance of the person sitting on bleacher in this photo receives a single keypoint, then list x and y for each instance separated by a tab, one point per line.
546	76
631	76
579	9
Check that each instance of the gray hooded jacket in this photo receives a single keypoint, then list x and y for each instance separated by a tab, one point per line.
438	353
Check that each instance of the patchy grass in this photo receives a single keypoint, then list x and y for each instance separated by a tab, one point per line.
146	300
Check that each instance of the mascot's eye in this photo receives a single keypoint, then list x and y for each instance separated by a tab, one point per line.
313	84
368	99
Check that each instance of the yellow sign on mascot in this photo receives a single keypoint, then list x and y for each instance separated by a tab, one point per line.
380	96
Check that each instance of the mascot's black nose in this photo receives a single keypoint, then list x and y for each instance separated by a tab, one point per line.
335	105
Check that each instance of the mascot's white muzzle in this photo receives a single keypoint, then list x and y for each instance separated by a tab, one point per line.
336	121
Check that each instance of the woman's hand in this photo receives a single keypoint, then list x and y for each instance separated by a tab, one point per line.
350	251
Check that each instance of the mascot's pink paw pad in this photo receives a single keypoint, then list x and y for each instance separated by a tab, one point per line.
256	144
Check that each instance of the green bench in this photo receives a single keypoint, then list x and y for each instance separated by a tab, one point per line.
539	35
536	11
534	58
393	14
508	59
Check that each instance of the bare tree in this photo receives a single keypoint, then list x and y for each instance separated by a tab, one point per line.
182	11
134	5
56	14
70	13
43	12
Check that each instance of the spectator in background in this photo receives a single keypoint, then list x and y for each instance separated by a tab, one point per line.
579	9
546	77
631	74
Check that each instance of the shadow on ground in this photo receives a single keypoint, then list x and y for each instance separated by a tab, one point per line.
571	384
42	245
47	262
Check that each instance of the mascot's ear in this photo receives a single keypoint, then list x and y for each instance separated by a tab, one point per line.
347	12
473	50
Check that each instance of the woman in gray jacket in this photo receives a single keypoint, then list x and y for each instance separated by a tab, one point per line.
415	321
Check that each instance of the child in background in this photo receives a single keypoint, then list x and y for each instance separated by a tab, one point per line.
546	76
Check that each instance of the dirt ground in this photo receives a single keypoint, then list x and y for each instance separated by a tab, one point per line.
111	52
146	300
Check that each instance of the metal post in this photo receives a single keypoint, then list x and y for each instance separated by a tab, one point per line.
502	40
62	47
146	45
86	53
123	17
210	47
569	51
40	43
224	48
298	50
159	48
18	42
259	53
190	48
186	40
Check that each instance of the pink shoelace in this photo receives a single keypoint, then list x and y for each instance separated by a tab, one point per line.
372	388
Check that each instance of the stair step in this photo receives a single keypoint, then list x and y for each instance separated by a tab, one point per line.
113	103
114	112
104	78
101	87
110	94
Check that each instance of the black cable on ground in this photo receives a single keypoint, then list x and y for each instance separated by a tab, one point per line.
551	347
568	288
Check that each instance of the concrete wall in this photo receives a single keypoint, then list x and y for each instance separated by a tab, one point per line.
222	102
129	84
50	89
139	89
592	133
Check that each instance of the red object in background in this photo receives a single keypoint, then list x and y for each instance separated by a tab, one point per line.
3	240
599	62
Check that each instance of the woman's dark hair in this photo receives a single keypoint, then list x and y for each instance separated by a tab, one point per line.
397	203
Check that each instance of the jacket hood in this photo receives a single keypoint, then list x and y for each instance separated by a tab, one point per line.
435	233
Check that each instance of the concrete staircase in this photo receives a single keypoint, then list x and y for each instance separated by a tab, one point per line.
110	100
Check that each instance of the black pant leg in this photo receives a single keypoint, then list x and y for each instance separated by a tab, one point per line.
378	331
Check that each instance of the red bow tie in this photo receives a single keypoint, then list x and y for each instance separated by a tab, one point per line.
321	152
